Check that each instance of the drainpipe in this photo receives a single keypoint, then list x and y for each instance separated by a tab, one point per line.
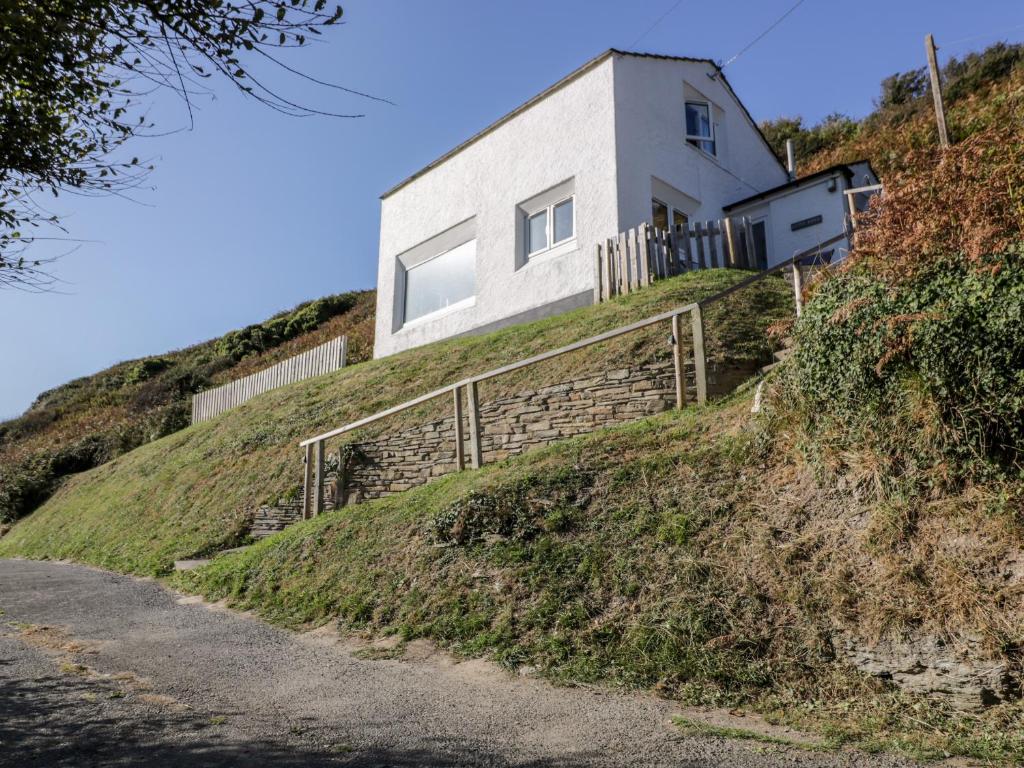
791	159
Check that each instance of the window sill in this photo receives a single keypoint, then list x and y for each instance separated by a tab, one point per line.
713	158
561	249
437	314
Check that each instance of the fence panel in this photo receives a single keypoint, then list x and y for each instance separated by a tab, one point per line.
640	256
325	358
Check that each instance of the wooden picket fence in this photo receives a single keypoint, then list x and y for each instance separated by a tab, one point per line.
322	359
644	254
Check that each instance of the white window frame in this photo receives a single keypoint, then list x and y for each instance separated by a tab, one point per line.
711	124
549	227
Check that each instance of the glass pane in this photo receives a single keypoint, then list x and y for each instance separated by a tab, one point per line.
760	244
698	120
704	146
537	232
440	282
563	221
659	214
679	219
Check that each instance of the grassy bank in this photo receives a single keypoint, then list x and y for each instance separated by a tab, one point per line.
688	553
186	494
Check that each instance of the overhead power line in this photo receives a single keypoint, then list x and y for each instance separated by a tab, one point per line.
761	36
658	21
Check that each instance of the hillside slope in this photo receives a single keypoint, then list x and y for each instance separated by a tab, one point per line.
91	420
981	91
188	493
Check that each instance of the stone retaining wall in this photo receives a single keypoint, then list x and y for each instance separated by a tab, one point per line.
511	425
508	426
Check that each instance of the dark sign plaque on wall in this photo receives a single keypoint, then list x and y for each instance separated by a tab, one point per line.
805	223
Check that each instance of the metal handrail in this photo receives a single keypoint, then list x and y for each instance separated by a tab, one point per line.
653	320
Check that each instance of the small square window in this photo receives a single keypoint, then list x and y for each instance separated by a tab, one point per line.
537	232
551	226
563	221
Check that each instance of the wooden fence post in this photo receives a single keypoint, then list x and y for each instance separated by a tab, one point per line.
677	360
598	275
698	241
318	478
798	288
699	357
475	452
730	243
307	483
460	440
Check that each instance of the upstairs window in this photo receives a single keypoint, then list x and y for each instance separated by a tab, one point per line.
700	131
550	226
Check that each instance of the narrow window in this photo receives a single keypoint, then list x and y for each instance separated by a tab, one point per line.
563	221
699	131
537	232
659	214
437	283
760	244
680	219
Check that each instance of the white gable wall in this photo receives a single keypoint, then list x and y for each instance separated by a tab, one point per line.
568	135
650	119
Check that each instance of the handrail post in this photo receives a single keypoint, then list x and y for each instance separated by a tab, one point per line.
677	360
460	440
318	478
798	288
307	482
475	453
699	358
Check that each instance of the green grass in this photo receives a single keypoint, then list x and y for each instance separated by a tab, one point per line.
648	556
185	495
692	727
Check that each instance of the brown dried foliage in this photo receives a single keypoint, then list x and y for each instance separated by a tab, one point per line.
966	201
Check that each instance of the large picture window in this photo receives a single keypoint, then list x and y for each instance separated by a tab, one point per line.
700	131
440	282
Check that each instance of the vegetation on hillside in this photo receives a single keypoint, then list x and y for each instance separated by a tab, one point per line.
714	556
974	88
94	419
725	559
188	493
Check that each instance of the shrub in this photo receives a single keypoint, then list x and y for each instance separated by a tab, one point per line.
144	370
925	373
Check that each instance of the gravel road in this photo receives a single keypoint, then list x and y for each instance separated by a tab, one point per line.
98	669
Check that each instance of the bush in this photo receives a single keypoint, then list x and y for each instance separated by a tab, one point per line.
285	326
144	370
926	373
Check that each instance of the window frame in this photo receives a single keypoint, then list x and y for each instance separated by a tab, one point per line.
695	140
671	212
549	229
466	301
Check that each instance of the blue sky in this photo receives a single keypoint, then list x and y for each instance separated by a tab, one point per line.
251	212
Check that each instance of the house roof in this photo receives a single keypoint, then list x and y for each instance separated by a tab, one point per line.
574	75
843	168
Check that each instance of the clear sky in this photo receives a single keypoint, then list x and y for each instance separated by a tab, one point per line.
251	212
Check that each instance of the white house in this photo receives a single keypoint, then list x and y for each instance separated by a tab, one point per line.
503	228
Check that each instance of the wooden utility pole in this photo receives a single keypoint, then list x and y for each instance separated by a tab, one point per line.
940	110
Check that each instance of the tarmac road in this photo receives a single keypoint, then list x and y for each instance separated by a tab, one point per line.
98	669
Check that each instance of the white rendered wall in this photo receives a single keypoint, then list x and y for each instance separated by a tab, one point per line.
650	96
568	135
799	204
